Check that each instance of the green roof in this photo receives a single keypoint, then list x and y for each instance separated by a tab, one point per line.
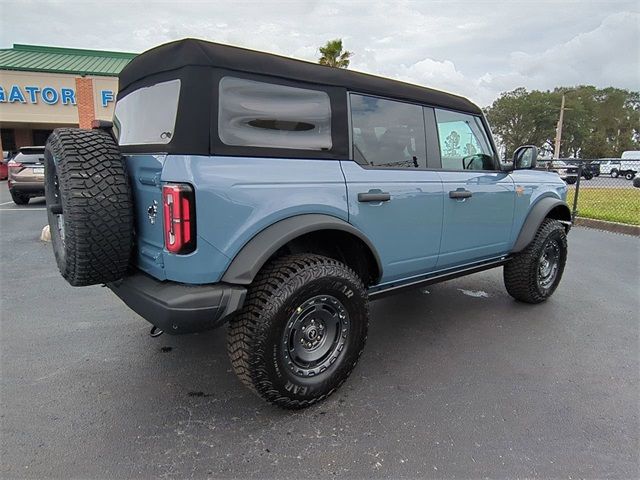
35	58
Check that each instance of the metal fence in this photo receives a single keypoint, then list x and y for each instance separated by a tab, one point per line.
602	189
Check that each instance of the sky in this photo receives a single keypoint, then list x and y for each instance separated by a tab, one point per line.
473	48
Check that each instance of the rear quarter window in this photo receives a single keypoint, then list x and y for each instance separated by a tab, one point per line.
147	116
260	114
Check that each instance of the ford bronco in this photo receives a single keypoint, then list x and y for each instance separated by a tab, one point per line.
279	197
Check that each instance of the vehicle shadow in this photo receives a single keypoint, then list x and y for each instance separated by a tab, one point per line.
409	332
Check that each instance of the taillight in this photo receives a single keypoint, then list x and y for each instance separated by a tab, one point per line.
15	165
178	205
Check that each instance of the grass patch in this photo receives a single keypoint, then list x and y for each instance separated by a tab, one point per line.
613	204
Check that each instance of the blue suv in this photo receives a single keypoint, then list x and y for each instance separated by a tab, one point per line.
280	197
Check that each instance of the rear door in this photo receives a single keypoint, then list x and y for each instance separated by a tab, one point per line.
146	118
393	198
479	200
144	173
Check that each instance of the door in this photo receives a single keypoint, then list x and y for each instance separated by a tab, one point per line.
479	200
393	199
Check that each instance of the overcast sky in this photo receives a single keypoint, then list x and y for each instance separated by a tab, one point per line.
474	48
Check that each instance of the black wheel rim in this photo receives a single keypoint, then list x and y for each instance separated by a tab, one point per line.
315	335
549	264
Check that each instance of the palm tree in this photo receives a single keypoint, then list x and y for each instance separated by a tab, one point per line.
333	56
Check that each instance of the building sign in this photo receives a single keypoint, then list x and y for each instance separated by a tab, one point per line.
48	95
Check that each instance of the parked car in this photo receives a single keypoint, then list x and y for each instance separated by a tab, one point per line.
588	170
282	198
593	168
616	168
4	171
26	175
566	171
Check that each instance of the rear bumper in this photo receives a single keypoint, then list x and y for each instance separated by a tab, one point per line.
178	308
34	188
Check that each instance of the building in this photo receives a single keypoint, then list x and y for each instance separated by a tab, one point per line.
42	88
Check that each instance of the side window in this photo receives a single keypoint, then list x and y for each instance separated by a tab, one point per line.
259	114
387	133
147	116
463	142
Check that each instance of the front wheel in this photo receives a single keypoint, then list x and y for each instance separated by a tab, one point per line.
301	331
534	274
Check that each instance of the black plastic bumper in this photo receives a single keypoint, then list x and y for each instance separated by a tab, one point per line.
178	308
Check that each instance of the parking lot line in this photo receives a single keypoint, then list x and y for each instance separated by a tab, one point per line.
5	203
21	209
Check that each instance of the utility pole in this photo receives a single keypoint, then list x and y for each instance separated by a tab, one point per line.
556	151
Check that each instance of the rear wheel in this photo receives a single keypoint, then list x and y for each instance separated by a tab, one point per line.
629	175
19	198
614	173
534	274
301	331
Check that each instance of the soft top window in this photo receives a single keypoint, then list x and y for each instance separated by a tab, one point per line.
147	116
260	114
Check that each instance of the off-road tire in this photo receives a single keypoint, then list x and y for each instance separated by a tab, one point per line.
255	339
19	198
85	176
521	273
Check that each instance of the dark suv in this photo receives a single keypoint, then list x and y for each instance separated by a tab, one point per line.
280	197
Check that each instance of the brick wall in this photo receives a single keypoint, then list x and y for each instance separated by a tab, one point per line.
84	99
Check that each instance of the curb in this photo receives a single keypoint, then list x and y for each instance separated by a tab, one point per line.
608	226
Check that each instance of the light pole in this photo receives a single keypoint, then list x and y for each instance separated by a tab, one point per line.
556	150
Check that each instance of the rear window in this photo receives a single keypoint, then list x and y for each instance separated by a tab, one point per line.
260	114
29	158
147	116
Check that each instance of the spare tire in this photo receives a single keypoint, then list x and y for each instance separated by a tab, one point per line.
89	206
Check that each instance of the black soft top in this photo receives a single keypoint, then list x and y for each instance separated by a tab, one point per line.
191	52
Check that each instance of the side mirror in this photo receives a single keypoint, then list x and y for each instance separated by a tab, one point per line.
525	157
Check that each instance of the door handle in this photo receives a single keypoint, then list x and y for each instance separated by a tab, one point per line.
374	197
460	194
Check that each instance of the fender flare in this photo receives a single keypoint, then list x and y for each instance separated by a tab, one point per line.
255	253
536	216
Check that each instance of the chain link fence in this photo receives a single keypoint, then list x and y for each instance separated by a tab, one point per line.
601	189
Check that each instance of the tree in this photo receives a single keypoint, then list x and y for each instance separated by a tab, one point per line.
452	144
597	123
333	55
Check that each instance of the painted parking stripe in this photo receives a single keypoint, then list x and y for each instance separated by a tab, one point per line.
5	203
21	209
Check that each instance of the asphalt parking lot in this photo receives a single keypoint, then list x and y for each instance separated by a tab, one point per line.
457	381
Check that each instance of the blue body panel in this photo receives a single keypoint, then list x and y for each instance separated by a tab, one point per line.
420	230
534	185
236	198
144	173
478	227
405	230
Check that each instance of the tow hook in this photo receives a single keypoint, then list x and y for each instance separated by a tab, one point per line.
155	332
